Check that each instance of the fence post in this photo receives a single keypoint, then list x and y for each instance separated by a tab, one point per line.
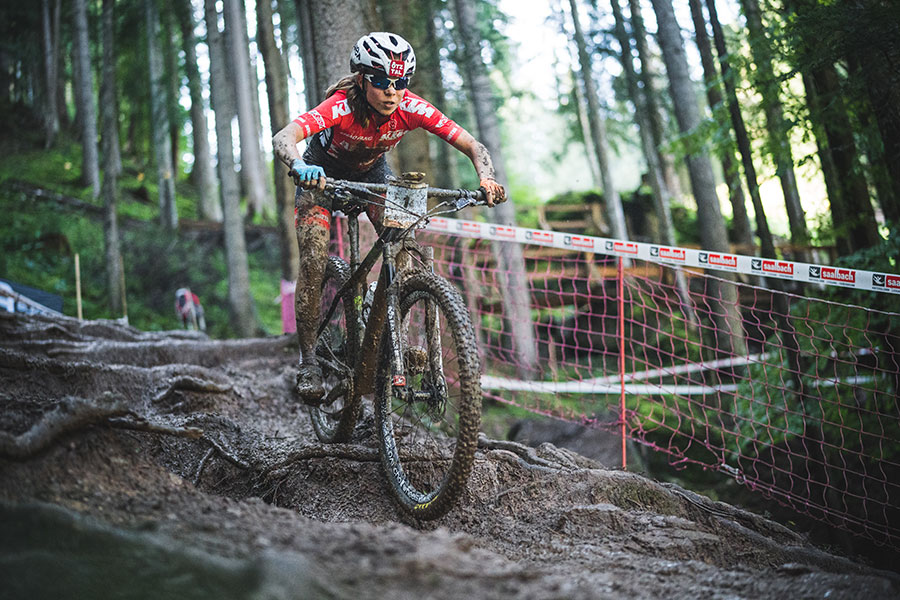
620	284
78	286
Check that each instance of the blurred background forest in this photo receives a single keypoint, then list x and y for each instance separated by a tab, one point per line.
136	134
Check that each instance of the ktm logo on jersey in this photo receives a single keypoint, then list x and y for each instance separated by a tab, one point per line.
392	135
340	109
417	107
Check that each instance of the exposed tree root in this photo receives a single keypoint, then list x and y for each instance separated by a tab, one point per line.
189	383
526	455
314	451
138	423
71	414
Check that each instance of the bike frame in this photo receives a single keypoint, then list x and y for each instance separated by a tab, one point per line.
391	242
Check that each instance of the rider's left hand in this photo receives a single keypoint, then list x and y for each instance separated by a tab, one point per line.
494	193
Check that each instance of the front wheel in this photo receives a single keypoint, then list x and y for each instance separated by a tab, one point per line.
428	410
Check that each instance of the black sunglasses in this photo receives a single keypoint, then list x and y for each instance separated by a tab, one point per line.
382	82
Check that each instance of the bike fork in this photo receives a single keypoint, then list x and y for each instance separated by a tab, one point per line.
394	329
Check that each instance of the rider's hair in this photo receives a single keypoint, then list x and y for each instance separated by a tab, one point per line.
356	97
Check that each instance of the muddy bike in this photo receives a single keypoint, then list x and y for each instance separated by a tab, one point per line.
407	339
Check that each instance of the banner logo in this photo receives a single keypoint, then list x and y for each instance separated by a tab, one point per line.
544	237
886	282
673	254
841	276
776	267
504	232
726	261
575	241
625	247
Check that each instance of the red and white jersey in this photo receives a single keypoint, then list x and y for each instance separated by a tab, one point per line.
359	147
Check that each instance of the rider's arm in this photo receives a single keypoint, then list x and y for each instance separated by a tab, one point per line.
285	143
484	167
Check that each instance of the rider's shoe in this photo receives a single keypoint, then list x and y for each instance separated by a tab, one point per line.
309	384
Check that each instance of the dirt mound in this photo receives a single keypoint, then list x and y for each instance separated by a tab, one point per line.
157	465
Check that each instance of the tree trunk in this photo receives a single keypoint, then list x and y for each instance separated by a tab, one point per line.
510	261
740	222
654	169
109	101
84	96
62	110
112	166
309	54
240	304
654	106
202	172
159	122
445	175
767	244
276	88
585	127
826	161
883	88
854	218
173	88
51	63
252	170
334	26
779	143
598	133
723	297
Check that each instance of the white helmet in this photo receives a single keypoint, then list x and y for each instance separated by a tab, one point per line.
383	53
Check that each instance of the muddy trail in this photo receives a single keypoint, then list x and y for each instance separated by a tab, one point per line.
167	465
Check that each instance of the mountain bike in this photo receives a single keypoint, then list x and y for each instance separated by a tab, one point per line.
407	338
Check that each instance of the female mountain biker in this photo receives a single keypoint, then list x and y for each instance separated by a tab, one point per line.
363	116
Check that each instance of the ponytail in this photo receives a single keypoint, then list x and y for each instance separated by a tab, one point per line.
356	98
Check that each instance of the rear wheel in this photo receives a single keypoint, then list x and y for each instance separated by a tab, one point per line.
428	427
336	348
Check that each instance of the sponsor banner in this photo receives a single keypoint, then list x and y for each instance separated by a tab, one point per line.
538	236
505	233
578	242
686	257
774	268
620	247
676	256
886	282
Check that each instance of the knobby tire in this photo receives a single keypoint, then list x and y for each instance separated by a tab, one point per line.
336	349
428	446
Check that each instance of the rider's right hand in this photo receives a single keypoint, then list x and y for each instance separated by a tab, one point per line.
307	176
494	193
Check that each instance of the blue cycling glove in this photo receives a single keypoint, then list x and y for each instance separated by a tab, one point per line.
301	171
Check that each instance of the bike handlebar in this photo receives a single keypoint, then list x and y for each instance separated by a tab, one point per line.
462	197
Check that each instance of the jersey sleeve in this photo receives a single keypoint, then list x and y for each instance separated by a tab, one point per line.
423	114
325	115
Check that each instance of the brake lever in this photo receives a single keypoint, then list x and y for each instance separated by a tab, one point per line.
466	201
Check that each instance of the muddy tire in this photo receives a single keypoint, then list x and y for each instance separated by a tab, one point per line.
428	429
336	349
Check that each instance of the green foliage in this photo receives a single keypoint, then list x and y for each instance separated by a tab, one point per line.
846	393
40	240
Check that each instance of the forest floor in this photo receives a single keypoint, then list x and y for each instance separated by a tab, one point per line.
166	465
